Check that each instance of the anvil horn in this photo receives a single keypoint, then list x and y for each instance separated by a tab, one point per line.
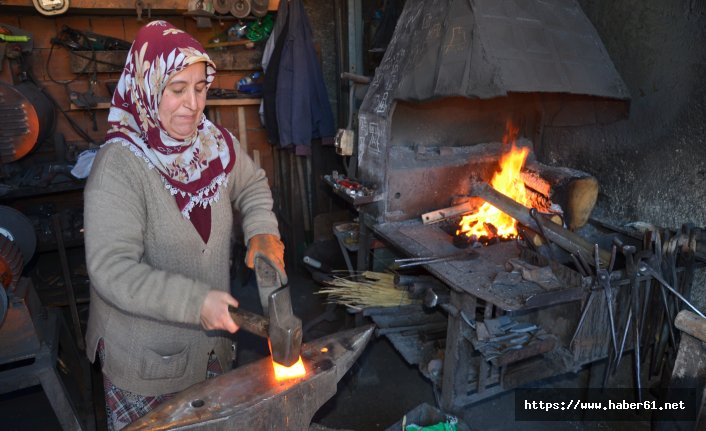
249	397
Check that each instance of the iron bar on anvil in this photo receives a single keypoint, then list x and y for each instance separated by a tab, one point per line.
564	238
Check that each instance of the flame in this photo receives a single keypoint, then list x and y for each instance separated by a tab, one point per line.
294	371
489	221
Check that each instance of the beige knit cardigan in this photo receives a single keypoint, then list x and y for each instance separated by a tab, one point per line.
150	270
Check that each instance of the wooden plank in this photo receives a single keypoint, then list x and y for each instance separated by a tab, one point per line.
174	5
232	102
237	57
457	356
210	102
485	368
446	213
244	42
242	129
691	324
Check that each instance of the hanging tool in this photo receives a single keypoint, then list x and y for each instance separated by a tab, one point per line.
603	277
601	281
250	398
631	266
584	312
645	268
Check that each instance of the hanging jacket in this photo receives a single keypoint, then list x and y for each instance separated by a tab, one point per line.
302	105
270	64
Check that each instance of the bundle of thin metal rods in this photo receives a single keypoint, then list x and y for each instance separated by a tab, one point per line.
368	289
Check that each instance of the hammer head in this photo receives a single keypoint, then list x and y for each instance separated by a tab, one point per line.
285	329
284	332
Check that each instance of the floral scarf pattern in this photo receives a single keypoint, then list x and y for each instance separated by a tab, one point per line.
192	169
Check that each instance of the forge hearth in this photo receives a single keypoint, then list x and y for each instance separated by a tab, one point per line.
479	276
433	123
455	74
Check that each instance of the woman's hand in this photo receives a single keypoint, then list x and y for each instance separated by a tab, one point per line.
270	248
214	311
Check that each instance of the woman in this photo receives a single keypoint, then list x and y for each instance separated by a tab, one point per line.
159	209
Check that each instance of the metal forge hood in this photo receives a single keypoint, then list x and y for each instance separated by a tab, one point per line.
488	48
467	60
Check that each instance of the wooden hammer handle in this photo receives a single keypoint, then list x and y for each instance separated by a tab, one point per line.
251	322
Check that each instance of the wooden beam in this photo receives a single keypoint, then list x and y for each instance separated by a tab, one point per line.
177	6
564	238
209	102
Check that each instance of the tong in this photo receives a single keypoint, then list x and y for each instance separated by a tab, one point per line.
416	261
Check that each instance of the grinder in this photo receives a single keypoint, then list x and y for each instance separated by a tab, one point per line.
282	328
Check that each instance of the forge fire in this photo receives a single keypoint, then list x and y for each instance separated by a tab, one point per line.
489	222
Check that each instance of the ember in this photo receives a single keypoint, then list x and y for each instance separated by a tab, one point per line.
285	373
488	222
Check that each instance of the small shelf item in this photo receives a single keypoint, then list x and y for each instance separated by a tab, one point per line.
352	191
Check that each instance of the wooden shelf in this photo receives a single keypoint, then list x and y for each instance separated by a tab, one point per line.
177	6
232	102
209	102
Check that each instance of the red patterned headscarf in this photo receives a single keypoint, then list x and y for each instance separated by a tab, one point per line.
192	169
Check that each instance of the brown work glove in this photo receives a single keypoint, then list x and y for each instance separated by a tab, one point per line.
270	248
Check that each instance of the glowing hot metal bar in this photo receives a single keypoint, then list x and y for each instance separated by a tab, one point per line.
291	372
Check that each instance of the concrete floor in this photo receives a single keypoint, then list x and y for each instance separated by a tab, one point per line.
374	395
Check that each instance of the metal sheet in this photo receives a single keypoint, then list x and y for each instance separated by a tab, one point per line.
488	48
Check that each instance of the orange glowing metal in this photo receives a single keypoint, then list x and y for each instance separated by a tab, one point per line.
284	373
508	182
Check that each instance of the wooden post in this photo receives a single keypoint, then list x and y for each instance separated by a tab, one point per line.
242	129
485	368
457	356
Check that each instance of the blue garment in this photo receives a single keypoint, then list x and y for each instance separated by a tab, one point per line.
302	105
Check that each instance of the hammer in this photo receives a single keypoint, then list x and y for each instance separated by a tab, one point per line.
282	328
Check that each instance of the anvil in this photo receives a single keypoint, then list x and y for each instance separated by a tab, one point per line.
250	398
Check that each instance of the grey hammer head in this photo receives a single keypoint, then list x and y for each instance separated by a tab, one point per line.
285	329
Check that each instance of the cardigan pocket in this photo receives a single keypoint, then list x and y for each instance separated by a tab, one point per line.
157	366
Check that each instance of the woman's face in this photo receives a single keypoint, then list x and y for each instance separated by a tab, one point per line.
183	101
